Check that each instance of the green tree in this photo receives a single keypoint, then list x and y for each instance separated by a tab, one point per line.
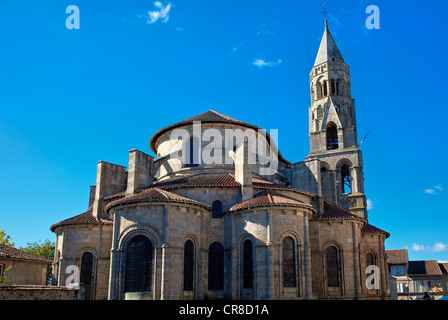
5	239
42	249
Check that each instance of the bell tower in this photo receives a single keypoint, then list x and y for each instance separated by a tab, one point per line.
332	130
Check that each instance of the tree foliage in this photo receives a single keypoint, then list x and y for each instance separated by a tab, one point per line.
5	239
42	249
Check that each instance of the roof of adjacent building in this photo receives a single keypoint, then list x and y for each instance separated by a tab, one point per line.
424	267
328	50
8	252
444	267
209	116
399	256
154	195
83	218
269	198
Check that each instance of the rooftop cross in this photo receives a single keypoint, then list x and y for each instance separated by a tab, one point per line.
325	12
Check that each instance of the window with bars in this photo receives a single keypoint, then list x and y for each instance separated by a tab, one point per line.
139	264
188	265
216	266
332	263
87	274
289	263
248	271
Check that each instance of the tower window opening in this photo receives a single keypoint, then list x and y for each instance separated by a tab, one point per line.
324	88
333	87
319	90
346	179
332	137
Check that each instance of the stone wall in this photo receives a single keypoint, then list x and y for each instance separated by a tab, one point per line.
23	292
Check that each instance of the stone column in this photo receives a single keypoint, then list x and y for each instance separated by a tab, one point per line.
113	272
269	256
355	261
307	259
164	271
383	271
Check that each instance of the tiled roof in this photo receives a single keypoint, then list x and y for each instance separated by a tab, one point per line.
368	228
16	254
154	195
332	212
208	179
424	267
209	116
444	267
270	198
83	218
399	256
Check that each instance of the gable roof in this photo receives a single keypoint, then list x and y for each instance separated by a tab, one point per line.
269	198
8	252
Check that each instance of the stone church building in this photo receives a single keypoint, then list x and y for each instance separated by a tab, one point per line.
167	228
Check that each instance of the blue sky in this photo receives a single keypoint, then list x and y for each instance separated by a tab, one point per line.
69	98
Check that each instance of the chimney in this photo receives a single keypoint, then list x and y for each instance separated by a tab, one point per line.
140	171
244	159
110	179
92	195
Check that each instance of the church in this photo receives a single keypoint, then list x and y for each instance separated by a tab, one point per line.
243	226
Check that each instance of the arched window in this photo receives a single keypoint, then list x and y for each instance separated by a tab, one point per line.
346	179
139	264
188	265
86	276
192	159
370	260
332	264
324	85
289	263
319	112
216	266
319	90
217	209
248	268
332	137
338	86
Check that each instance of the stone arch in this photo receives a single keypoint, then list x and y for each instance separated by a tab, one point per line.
134	230
344	161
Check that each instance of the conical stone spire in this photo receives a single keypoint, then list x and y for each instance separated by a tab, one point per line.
328	50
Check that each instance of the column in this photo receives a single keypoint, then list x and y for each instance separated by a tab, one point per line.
307	258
